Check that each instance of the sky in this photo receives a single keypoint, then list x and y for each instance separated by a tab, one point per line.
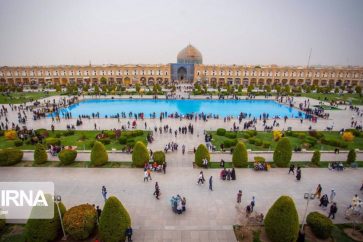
255	32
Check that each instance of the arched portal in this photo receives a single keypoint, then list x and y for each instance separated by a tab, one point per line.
182	73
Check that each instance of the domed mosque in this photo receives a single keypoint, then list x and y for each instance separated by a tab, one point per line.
183	70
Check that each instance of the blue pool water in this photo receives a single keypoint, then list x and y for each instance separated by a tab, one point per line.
222	108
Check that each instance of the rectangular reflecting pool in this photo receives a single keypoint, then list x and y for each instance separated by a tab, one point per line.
222	108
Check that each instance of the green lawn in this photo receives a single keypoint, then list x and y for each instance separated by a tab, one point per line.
268	136
22	97
81	139
354	98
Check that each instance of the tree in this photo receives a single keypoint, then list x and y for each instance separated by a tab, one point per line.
97	90
282	221
40	155
44	230
137	87
67	157
240	157
103	80
358	90
283	153
320	224
316	158
140	155
10	156
114	221
351	156
159	157
99	154
201	153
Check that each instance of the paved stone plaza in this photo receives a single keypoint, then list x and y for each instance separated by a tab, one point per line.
210	214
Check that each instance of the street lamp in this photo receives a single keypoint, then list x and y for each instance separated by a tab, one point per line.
308	197
57	200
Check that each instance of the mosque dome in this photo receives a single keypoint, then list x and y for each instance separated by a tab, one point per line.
189	55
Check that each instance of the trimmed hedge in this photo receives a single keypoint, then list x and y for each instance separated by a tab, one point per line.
67	157
159	157
334	142
140	155
240	157
221	132
99	155
283	153
132	133
282	221
228	143
351	156
122	140
52	141
231	135
40	155
68	133
201	153
10	156
320	225
315	159
114	221
42	132
18	143
44	230
80	221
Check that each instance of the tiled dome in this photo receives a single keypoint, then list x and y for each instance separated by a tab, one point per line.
189	55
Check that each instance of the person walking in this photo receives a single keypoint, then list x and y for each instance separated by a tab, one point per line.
332	195
318	191
128	234
183	149
239	196
292	169
333	210
298	174
146	176
157	190
99	211
253	203
200	178
149	174
104	193
164	167
211	183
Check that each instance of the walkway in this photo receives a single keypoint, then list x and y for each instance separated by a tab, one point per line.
210	214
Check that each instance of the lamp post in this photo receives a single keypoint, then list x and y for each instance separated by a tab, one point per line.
308	197
57	200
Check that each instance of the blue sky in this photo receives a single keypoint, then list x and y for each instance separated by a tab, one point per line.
35	32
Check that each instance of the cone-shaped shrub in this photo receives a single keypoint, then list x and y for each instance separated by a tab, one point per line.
140	155
240	157
320	224
316	158
10	156
159	157
99	155
80	221
40	155
283	153
114	221
67	157
282	221
351	156
201	153
44	230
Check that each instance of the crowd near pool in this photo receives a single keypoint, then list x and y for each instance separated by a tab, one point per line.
222	108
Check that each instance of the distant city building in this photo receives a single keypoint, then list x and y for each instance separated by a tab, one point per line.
189	68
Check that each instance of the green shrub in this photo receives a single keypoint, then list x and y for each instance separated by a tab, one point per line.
114	221
283	153
310	140
44	230
355	132
10	156
58	135
252	140
251	133
40	155
67	157
122	140
266	144
259	159
201	153
282	221
315	159
140	155
68	133
334	142
18	143
105	141
99	155
240	157
80	221
42	132
132	133
246	135
159	157
131	143
320	225
52	141
258	142
228	143
221	132
351	156
231	135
